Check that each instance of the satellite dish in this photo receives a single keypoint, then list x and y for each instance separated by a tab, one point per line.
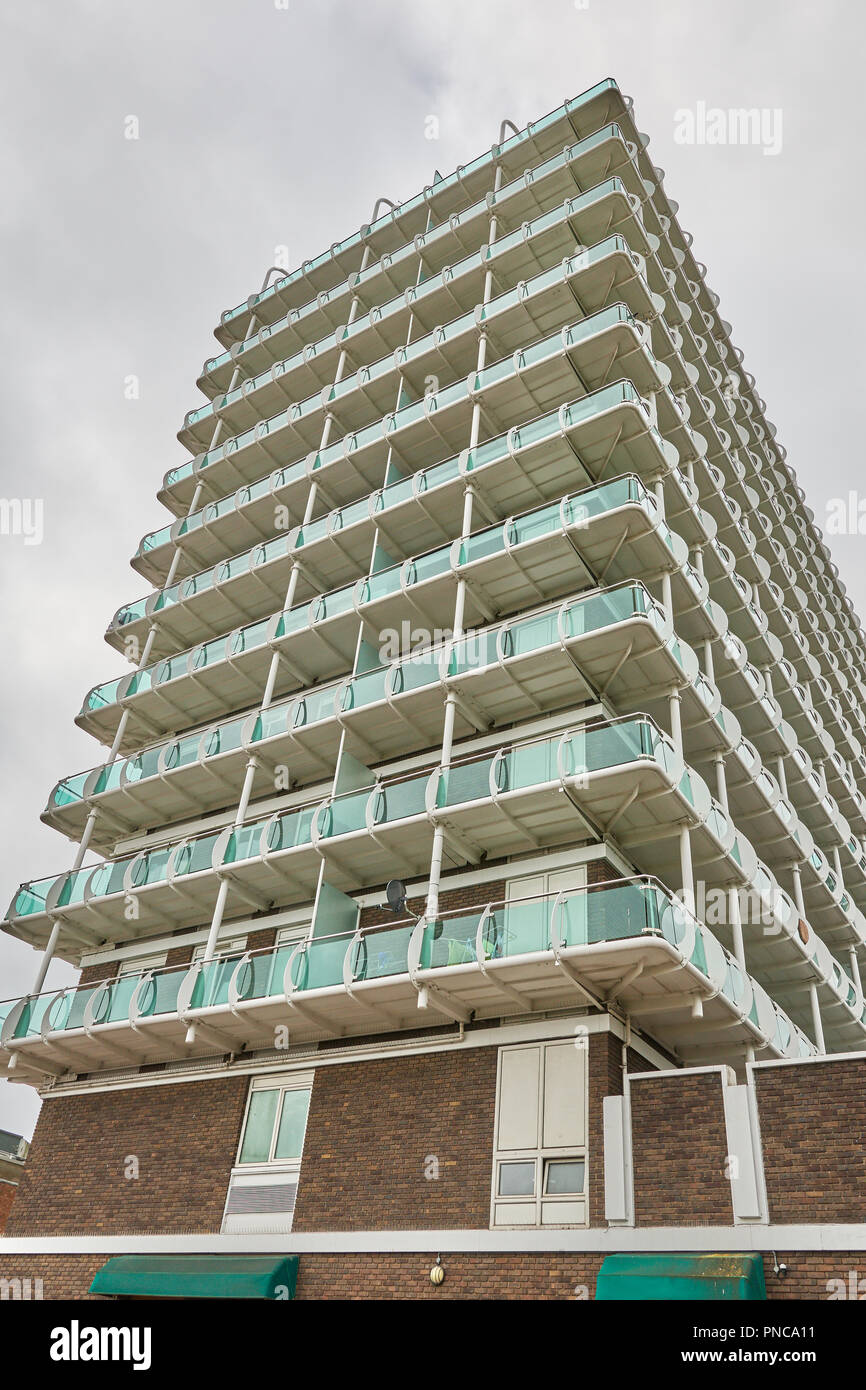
395	892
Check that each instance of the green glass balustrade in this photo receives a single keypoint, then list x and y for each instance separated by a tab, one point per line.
29	1024
381	952
291	829
537	763
70	790
441	186
419	669
159	995
244	843
211	987
320	963
261	975
582	507
151	867
196	856
106	879
450	394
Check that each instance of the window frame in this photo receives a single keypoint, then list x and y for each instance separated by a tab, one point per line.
542	1154
283	1082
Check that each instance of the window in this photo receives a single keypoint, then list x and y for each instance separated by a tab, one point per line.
264	1181
137	965
233	948
539	1163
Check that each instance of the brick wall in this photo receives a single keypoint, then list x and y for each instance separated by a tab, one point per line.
95	974
374	1125
816	1274
450	900
184	1136
679	1151
604	1079
813	1128
467	1276
178	955
7	1196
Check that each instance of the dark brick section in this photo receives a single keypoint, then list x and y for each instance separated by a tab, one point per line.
827	1274
467	1276
813	1128
680	1149
262	940
178	955
351	1276
63	1276
604	1079
185	1138
95	974
373	1126
450	900
7	1197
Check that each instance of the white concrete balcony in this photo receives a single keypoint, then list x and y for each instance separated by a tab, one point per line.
605	432
611	342
613	529
616	272
524	159
629	940
284	352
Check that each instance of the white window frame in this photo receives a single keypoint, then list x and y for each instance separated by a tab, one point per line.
138	965
273	1172
235	947
285	1081
572	1204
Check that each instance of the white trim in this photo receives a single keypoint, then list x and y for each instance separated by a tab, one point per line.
556	1240
371	1051
820	1057
288	917
728	1076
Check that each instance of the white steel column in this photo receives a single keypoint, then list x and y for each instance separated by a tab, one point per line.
432	905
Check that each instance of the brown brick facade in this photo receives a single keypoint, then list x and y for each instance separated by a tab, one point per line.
604	1079
809	1275
450	900
7	1197
813	1128
680	1151
377	1129
95	974
184	1138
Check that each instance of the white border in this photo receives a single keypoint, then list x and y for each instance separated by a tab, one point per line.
555	1241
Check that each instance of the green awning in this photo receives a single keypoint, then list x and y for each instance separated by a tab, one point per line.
667	1277
198	1276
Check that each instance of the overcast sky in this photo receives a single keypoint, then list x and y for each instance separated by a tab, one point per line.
270	122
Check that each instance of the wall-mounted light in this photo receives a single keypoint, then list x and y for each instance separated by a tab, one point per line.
437	1273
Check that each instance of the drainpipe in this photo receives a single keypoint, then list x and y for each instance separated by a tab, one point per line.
855	968
686	871
816	1017
675	708
721	781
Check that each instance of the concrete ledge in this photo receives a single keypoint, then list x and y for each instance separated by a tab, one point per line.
649	1238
